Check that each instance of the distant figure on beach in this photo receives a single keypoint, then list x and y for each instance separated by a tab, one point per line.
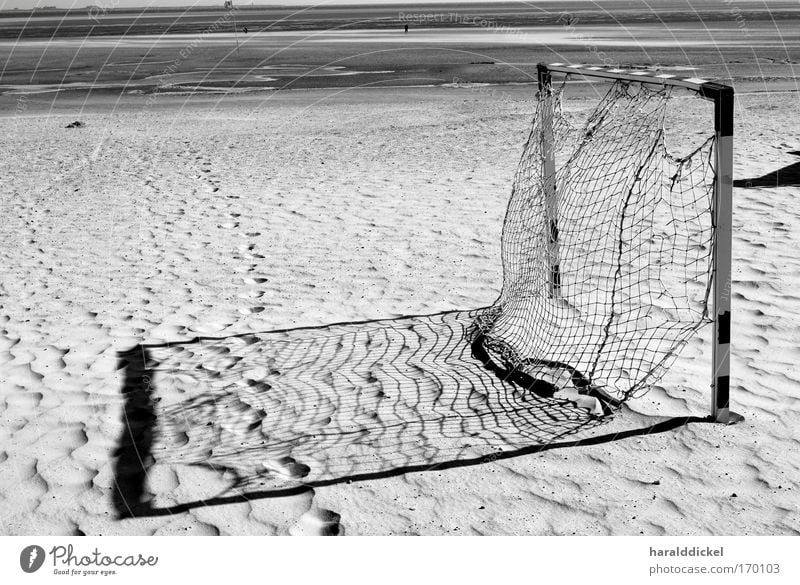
406	28
245	30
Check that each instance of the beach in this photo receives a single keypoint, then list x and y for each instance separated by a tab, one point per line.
243	201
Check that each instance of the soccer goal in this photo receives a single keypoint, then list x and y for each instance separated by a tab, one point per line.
615	249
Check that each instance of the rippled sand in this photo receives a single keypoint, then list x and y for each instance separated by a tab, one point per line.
158	223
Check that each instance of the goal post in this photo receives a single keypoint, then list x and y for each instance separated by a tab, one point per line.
722	212
551	197
587	214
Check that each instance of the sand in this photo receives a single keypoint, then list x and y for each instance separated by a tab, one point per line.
159	222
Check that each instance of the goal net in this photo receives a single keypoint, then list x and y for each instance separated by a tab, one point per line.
606	246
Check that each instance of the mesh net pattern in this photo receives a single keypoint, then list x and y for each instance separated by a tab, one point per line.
607	249
320	405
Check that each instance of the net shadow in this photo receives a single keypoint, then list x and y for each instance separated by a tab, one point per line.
271	414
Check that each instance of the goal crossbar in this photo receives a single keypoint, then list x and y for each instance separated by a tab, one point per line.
640	75
722	205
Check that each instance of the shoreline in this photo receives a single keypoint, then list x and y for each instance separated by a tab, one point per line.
90	96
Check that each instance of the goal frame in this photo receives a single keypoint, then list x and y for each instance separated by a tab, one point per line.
721	208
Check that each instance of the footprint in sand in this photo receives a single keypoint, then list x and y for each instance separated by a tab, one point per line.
318	522
287	467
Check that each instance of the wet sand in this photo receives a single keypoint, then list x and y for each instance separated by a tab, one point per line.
749	48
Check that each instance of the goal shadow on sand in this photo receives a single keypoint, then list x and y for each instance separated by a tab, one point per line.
788	176
271	414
